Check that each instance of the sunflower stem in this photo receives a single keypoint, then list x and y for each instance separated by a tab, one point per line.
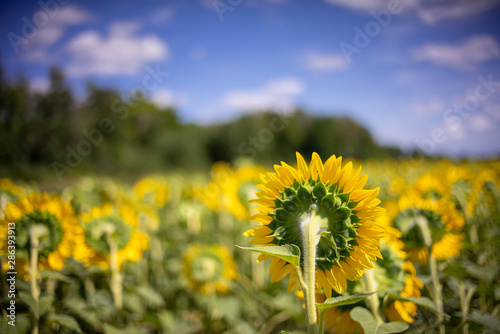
371	286
437	289
321	322
116	276
36	232
309	225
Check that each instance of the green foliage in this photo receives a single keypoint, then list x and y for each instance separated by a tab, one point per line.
64	321
420	301
342	300
105	132
288	253
484	319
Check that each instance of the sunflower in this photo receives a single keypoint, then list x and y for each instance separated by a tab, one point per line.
104	225
340	321
154	190
396	273
209	269
441	217
230	189
404	311
54	219
8	192
346	238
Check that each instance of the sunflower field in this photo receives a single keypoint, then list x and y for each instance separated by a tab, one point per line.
316	245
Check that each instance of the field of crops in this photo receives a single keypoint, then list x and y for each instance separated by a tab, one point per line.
160	255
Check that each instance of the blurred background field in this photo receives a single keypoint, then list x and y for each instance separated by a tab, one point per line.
144	127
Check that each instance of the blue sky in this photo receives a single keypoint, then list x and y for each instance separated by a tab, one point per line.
425	73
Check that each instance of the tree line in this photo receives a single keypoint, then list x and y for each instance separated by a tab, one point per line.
105	133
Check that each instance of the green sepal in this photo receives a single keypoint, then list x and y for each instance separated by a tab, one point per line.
319	190
326	246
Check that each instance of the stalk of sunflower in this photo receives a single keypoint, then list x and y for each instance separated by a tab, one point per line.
46	232
431	226
110	238
323	210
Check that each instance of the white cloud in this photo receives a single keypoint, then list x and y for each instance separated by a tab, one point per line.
455	131
429	11
464	56
36	47
325	62
359	4
493	109
165	97
481	123
431	107
275	94
121	52
436	11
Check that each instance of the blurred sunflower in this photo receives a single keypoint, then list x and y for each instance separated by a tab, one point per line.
9	187
209	269
339	320
104	225
153	190
404	311
347	235
440	216
230	188
8	192
55	222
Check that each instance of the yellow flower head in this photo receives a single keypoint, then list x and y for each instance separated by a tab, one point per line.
347	237
54	219
340	320
404	311
209	269
104	225
153	190
229	188
9	187
399	275
443	221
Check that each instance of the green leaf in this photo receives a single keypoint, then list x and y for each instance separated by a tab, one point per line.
53	274
133	302
79	308
38	308
65	321
370	325
152	298
487	273
484	319
342	300
365	319
420	301
289	253
44	303
392	327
